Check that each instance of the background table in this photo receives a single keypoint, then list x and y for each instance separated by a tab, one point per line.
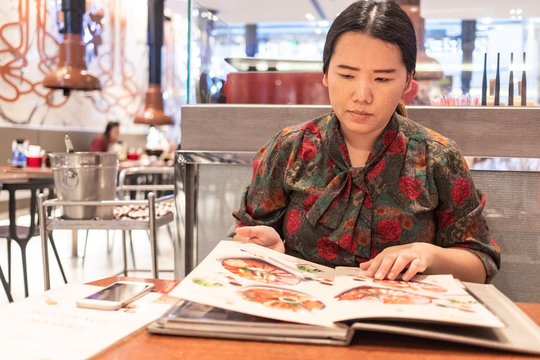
366	345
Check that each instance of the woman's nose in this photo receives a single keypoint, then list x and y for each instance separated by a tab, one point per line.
362	92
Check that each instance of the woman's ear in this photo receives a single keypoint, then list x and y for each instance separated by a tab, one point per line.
408	84
325	80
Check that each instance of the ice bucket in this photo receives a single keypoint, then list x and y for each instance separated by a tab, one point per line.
85	176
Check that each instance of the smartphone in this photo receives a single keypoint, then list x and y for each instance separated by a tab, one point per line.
115	296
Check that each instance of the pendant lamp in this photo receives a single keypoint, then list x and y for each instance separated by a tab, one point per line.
153	113
71	73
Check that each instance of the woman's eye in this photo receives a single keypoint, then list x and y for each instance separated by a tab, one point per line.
379	79
346	76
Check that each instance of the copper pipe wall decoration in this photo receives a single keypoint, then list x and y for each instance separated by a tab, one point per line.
153	113
71	73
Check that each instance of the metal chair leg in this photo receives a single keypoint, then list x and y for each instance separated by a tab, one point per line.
110	242
57	257
150	240
132	249
169	231
8	245
85	243
152	229
124	252
6	286
25	270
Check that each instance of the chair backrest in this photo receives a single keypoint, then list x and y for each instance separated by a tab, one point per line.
512	212
137	182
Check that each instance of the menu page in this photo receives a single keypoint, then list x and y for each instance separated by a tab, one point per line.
255	280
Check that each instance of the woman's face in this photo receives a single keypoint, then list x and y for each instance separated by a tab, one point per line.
114	134
365	79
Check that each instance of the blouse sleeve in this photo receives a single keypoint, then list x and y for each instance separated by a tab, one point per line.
460	222
265	200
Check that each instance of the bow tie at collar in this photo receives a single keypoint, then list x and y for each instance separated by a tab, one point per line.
347	191
333	202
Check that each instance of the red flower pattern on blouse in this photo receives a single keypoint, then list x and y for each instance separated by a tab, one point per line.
388	137
327	249
308	149
411	188
293	221
377	169
461	191
445	218
397	146
389	230
367	201
348	243
310	127
331	164
310	200
344	152
256	164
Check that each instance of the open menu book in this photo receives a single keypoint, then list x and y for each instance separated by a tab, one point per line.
251	292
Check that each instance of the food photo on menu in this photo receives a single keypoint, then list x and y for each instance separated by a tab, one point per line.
254	280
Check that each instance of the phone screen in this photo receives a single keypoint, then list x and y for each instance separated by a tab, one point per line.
118	292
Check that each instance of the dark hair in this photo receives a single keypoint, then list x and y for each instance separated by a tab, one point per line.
110	125
381	19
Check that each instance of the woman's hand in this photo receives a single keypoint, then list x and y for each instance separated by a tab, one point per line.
417	257
425	258
261	235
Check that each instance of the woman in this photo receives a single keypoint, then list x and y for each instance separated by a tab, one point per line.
104	142
365	185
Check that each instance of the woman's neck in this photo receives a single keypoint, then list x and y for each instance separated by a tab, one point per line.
358	156
359	147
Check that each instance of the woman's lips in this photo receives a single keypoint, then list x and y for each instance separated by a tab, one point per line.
360	115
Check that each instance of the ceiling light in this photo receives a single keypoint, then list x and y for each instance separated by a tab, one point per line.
71	73
153	113
486	21
310	17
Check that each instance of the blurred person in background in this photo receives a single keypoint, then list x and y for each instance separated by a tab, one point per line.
105	141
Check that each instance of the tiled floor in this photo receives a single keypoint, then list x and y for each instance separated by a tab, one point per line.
98	263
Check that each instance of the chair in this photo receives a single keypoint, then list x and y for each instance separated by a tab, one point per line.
157	216
134	184
137	182
22	234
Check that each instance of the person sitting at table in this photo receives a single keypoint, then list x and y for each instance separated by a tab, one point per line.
366	186
105	141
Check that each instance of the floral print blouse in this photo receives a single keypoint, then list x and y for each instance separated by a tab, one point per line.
414	187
